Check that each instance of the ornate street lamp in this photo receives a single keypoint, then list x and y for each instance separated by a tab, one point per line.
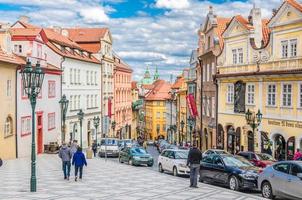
253	120
32	79
182	125
80	117
64	106
96	122
191	122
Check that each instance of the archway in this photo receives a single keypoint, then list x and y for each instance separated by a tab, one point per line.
266	145
220	137
279	147
290	148
250	141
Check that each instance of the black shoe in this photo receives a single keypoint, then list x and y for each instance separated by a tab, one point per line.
65	178
76	179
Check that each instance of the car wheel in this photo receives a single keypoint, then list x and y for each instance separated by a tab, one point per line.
150	165
233	183
175	173
120	160
130	161
267	191
160	168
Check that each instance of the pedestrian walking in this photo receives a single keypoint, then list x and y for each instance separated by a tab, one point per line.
74	146
298	155
79	161
193	162
65	155
94	148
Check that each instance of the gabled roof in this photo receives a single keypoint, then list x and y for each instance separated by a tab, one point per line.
87	34
25	31
160	91
59	38
221	26
10	58
178	83
265	32
25	25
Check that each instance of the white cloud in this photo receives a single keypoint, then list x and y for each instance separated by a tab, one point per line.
172	4
94	15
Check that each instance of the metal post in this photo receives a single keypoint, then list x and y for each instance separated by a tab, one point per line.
33	179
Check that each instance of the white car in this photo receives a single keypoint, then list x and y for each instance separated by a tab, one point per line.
214	151
109	147
175	161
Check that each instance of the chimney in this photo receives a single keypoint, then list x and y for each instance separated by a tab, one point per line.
256	21
57	29
24	19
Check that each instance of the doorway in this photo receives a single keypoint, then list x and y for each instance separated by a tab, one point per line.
279	147
40	132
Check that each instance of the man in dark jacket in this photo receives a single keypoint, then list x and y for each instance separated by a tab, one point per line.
78	161
65	154
94	148
193	161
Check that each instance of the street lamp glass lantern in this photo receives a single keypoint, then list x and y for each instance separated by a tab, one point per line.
96	121
38	78
259	116
80	115
248	116
64	104
26	74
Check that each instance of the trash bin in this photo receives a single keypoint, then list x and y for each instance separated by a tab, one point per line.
89	154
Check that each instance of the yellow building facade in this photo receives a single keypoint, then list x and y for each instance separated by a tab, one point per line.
260	69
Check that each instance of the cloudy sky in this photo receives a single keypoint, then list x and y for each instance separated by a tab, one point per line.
158	33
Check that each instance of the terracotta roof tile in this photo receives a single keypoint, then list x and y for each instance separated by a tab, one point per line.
293	3
10	58
87	34
27	25
221	26
25	31
265	32
178	83
134	85
59	38
160	91
91	47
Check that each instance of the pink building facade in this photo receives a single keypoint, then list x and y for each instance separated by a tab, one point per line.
122	99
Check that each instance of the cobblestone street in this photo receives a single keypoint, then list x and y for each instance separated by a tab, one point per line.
102	180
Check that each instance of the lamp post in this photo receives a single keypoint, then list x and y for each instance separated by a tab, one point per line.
182	125
80	117
64	106
253	120
191	122
96	122
32	79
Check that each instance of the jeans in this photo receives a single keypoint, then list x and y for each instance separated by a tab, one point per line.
76	169
66	168
194	170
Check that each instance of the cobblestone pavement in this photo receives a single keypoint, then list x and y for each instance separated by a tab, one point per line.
102	180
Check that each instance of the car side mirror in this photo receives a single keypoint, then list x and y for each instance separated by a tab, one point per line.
299	175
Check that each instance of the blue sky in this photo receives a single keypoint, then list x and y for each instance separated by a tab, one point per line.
154	33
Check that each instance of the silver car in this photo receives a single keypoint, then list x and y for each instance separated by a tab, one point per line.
282	179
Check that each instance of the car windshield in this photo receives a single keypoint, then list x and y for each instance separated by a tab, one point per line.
264	156
236	161
138	151
109	142
181	154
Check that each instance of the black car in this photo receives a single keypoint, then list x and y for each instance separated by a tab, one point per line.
233	171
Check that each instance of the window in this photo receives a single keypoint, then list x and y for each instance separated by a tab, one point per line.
91	101
250	94
91	77
293	48
234	52
79	101
39	51
87	78
203	105
71	102
209	107
296	169
95	78
25	126
209	73
230	93
300	95
158	115
75	76
51	121
158	103
271	95
79	76
157	127
240	56
203	73
8	127
283	167
213	68
87	101
51	89
8	88
164	115
287	95
18	48
70	76
284	47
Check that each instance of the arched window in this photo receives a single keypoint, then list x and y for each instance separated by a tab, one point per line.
8	127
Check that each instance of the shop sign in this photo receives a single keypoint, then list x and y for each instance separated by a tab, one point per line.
284	123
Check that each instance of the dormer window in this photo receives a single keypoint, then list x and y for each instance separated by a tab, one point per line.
237	56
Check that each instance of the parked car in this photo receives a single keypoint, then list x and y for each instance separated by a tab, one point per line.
258	159
136	156
163	145
214	151
175	161
282	179
109	147
233	171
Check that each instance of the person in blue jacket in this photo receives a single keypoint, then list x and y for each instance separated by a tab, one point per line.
78	161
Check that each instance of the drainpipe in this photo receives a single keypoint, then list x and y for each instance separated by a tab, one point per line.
201	102
16	106
61	89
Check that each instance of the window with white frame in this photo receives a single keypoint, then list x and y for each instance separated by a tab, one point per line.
95	78
213	68
271	95
91	101
293	47
203	73
51	121
230	93
87	101
74	76
25	126
250	94
79	76
287	95
8	88
17	48
70	76
8	127
234	52
71	102
240	55
300	95
209	72
91	77
51	89
87	78
284	47
79	101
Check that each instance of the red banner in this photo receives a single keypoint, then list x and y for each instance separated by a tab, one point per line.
192	105
109	108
